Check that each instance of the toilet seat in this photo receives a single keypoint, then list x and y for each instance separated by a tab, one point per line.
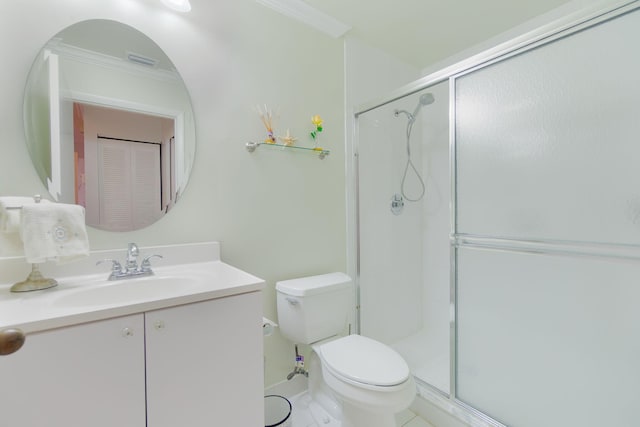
365	361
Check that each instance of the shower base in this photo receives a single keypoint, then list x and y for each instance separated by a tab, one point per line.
426	357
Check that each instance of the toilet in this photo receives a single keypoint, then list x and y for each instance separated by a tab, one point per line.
355	380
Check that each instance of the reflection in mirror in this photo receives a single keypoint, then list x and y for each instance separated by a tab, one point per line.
109	124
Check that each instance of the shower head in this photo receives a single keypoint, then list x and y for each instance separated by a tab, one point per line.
425	99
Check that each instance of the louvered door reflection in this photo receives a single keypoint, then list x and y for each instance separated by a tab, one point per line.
129	184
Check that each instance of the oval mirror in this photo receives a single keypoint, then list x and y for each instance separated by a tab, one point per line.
109	124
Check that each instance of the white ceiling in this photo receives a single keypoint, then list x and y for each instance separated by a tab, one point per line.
419	32
423	32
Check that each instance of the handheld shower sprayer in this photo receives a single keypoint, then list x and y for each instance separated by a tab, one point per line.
425	99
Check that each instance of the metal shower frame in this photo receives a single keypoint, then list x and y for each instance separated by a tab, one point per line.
545	34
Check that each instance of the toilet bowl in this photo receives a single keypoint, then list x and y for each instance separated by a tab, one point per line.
358	381
372	381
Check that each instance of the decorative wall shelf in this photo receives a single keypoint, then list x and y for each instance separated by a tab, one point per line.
321	152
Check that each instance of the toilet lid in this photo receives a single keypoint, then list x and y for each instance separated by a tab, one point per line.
364	360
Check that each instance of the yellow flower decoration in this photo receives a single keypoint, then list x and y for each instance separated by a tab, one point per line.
317	122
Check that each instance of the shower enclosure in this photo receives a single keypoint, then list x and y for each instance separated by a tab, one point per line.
404	251
511	288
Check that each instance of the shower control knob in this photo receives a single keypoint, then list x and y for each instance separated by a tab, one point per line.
397	204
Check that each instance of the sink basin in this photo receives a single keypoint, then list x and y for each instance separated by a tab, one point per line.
129	290
190	273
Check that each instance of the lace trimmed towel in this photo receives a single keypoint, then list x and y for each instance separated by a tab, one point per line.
53	232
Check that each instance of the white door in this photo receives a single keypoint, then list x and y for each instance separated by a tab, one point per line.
128	184
124	168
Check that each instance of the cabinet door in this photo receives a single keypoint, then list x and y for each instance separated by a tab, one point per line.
79	376
205	364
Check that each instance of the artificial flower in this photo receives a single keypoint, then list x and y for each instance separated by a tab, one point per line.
316	120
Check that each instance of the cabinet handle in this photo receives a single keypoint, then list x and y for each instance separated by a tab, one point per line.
127	332
158	325
10	341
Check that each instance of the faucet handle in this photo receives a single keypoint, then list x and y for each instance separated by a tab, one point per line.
146	264
116	267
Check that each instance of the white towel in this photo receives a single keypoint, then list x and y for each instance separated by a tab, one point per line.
11	245
53	231
10	211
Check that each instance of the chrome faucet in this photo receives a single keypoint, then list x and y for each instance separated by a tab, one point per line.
132	257
131	268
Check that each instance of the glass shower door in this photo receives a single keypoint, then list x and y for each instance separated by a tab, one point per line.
547	233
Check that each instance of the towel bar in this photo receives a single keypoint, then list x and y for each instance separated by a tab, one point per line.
37	198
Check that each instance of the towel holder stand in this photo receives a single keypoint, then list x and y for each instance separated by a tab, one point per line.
35	281
36	198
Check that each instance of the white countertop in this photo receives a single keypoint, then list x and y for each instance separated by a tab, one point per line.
82	298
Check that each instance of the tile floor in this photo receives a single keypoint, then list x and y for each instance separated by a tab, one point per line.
409	419
305	414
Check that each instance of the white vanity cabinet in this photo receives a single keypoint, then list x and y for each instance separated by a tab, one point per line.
193	365
205	364
77	376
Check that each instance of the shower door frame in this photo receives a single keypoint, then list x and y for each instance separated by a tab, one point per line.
556	30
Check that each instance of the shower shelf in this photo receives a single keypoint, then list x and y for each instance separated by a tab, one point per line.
321	152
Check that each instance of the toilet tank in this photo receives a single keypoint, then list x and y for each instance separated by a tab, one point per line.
313	308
